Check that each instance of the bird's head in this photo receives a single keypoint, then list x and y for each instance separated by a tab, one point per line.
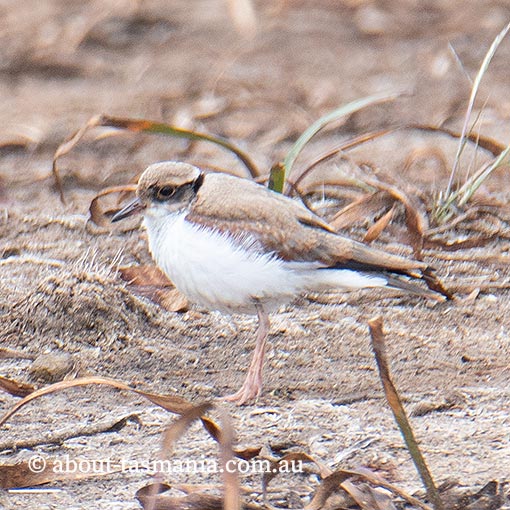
164	188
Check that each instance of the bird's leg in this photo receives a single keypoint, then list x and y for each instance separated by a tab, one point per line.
252	385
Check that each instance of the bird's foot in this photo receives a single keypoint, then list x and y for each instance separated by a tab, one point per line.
250	390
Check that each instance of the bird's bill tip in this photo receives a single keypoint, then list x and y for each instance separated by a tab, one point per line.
133	207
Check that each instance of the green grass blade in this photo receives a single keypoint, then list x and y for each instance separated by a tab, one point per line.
277	178
469	188
148	126
319	124
474	91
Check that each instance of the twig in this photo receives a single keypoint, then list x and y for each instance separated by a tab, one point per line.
59	437
378	346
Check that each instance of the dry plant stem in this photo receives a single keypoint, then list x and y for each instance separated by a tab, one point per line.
344	146
378	346
58	438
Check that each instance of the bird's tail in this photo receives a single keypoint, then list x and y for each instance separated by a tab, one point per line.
436	289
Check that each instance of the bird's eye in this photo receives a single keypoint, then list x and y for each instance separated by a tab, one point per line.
165	192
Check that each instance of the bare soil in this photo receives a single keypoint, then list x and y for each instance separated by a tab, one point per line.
186	63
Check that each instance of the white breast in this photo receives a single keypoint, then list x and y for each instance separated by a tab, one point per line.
216	271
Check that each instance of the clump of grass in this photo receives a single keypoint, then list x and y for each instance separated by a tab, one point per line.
453	197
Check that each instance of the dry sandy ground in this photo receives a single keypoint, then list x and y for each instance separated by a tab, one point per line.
185	63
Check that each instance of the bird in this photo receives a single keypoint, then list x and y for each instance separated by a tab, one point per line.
233	245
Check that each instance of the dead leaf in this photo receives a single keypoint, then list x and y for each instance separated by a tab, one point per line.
376	229
367	497
15	388
171	300
150	282
362	209
215	432
144	275
328	486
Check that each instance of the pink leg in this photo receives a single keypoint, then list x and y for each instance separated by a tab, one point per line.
252	385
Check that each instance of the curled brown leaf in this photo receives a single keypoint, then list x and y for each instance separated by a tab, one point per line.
100	216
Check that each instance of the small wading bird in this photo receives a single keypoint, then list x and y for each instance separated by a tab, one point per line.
232	245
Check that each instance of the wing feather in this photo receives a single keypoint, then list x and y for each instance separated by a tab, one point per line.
236	206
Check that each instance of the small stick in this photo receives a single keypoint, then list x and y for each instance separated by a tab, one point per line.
379	348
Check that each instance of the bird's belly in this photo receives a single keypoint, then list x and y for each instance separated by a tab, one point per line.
218	272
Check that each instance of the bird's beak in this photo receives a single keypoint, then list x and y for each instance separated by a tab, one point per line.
132	208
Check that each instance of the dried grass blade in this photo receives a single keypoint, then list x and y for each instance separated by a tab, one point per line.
215	432
378	480
274	468
177	429
344	146
153	498
65	147
171	403
97	214
368	498
416	222
465	244
6	353
243	15
469	188
22	474
486	143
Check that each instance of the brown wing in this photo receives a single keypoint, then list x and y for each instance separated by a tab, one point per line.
239	206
